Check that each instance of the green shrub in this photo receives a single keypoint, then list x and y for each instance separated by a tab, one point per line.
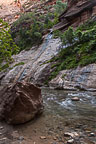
27	31
79	48
60	6
7	46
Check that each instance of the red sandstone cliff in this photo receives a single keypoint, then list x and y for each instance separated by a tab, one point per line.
77	12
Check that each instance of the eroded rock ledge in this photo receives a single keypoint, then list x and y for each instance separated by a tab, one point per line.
80	78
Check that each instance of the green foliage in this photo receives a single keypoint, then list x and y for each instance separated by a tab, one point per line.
68	37
29	28
20	63
27	31
79	48
48	21
60	6
7	46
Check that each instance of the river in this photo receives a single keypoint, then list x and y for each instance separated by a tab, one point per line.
61	115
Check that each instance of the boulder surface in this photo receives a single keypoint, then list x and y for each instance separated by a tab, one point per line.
20	103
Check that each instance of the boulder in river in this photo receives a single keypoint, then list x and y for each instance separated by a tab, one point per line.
20	103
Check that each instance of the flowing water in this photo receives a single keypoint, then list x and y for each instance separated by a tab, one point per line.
61	115
60	103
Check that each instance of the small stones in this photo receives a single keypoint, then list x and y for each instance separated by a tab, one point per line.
3	139
15	134
75	99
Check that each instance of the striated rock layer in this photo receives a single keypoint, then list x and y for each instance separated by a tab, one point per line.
80	78
20	103
77	12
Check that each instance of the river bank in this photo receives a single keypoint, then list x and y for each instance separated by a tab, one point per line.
63	120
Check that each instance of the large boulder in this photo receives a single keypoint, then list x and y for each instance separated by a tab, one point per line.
20	103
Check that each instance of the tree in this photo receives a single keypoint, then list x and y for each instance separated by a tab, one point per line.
7	46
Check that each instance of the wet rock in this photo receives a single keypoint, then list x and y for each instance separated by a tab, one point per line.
75	99
71	141
20	103
73	134
92	134
35	67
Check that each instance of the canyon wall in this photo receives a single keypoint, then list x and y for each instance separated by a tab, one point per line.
77	12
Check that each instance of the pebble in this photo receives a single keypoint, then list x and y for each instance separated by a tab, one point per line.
54	138
75	99
73	134
42	137
92	134
70	141
1	128
21	138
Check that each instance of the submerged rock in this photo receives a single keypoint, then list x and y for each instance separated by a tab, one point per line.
20	103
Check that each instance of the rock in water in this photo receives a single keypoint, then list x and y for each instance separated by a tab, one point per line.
20	103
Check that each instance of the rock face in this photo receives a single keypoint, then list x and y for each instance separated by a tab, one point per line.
81	78
20	103
77	12
35	64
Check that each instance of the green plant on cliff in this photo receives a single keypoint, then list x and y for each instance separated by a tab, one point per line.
7	46
79	48
60	6
28	30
